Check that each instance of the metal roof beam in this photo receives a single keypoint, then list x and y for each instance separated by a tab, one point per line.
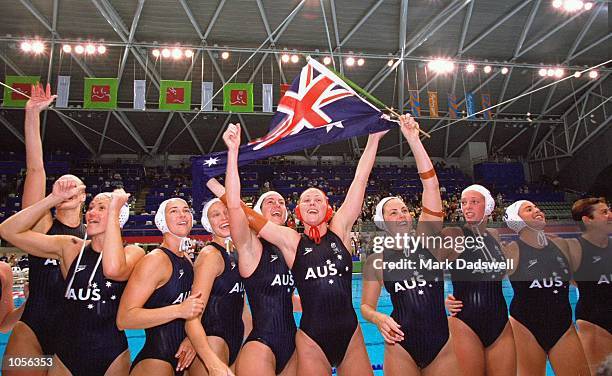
192	134
513	138
581	100
7	124
360	23
588	47
78	135
108	115
129	127
549	33
591	136
214	19
192	19
39	16
489	29
11	64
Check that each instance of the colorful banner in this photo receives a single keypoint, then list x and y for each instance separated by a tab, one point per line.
63	91
266	100
175	95
470	105
415	103
207	94
140	100
486	103
238	97
100	93
433	103
21	83
453	106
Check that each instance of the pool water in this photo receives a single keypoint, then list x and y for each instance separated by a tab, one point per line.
373	339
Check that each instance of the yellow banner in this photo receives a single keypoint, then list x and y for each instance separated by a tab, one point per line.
433	103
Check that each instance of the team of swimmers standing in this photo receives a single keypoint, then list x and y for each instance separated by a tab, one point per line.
231	310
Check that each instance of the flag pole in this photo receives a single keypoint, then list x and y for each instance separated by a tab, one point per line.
369	96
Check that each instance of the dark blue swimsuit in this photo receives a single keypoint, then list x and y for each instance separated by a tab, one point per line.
44	303
417	295
223	314
90	340
594	280
484	307
164	340
541	293
269	290
323	275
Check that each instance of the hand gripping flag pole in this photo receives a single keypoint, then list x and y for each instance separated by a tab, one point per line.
361	91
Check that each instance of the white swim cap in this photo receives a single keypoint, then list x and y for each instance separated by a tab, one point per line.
261	199
124	213
512	217
489	201
160	215
379	219
205	222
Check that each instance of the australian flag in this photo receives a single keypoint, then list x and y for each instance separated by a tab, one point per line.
319	108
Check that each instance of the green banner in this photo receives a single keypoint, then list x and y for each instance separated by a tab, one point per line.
100	93
175	95
21	83
238	97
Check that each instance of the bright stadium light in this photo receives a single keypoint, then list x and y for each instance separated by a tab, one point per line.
26	46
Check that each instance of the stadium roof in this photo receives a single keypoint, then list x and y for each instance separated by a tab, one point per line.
522	35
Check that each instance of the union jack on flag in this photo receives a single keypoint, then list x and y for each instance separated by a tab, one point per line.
319	108
302	106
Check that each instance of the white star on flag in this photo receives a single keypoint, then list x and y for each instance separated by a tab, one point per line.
328	262
108	284
331	281
331	126
94	285
556	291
90	306
421	292
211	161
339	257
113	297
